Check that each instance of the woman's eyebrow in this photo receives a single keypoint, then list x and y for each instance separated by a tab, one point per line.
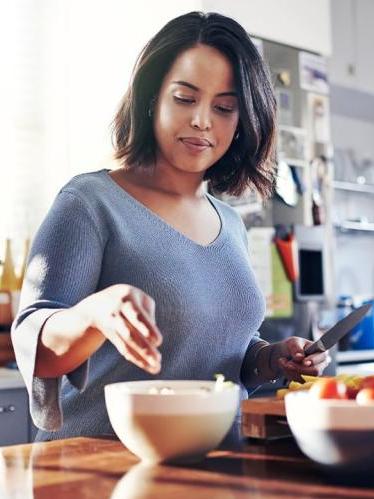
193	87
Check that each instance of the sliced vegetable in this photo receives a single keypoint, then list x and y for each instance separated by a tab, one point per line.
329	388
365	396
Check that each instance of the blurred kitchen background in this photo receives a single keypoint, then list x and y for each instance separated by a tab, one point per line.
65	66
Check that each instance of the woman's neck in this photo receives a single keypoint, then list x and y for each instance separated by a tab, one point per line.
169	181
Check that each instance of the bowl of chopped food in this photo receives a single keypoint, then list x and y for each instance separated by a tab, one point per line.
178	421
333	423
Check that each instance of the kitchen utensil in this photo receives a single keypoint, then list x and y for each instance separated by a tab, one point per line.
336	333
171	420
337	434
288	253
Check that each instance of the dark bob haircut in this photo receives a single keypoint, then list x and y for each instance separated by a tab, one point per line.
249	160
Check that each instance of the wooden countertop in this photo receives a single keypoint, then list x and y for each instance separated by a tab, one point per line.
104	469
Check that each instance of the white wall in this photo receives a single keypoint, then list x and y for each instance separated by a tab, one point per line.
81	53
302	23
67	65
104	39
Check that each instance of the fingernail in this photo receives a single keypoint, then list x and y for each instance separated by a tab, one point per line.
155	369
152	361
307	363
143	329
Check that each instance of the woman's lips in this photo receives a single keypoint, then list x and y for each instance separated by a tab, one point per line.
194	144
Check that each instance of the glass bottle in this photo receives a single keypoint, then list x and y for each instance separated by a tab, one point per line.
8	286
25	256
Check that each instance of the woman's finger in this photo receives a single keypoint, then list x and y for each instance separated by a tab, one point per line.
295	346
134	320
141	320
149	305
294	370
109	330
142	352
133	356
139	342
288	369
315	359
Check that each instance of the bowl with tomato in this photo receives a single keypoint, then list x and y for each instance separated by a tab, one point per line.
333	423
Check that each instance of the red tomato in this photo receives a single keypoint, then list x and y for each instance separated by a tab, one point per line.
367	382
328	388
352	392
365	396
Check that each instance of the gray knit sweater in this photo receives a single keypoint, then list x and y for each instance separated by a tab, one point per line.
208	306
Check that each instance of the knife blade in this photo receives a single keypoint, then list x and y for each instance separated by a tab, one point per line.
336	333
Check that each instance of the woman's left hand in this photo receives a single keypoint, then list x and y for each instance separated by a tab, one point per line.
293	362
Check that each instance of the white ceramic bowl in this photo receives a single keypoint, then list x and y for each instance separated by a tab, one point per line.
338	434
180	423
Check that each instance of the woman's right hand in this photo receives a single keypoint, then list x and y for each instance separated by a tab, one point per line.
125	315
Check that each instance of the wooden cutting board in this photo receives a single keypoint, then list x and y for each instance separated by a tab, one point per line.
264	418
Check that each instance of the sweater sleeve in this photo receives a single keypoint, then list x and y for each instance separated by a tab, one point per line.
63	268
249	372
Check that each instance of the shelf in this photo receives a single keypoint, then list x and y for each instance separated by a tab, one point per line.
355	226
246	209
354	356
366	369
353	187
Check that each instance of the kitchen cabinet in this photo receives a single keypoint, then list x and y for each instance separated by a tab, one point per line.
352	42
357	362
14	416
353	187
15	423
298	23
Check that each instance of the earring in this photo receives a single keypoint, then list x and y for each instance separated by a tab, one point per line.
236	136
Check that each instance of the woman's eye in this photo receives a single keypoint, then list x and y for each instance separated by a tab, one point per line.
183	100
225	109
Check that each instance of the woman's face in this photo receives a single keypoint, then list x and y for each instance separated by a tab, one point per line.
196	113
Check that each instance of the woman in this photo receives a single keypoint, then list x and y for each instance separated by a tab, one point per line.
140	260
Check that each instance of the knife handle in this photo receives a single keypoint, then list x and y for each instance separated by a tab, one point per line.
316	347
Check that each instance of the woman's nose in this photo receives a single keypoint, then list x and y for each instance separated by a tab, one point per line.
201	119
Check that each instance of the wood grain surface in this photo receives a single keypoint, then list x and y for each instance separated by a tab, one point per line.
264	405
102	468
264	418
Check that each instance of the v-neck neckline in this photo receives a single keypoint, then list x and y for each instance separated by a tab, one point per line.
218	241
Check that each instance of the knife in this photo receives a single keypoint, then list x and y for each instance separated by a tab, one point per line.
337	332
